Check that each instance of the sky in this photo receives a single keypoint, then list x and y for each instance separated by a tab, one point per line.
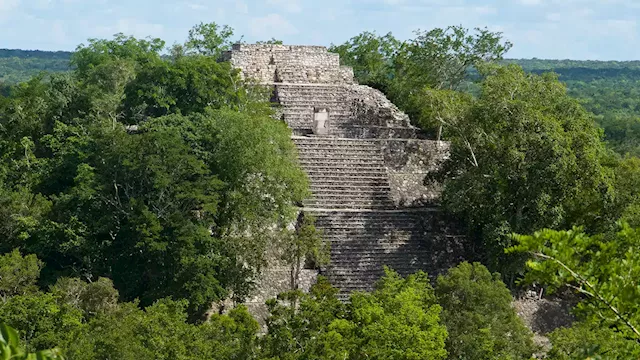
546	29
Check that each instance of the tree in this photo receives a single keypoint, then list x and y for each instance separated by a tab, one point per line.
440	58
99	52
18	274
209	39
188	85
304	245
41	321
587	341
524	156
10	347
399	320
440	109
371	56
92	298
602	269
162	332
481	322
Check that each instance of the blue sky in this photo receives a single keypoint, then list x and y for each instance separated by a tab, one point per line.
557	29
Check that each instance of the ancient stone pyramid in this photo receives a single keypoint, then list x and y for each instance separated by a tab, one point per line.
365	161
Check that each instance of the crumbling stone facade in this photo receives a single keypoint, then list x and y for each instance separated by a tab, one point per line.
366	165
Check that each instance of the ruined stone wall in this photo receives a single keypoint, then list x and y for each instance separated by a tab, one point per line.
408	163
289	64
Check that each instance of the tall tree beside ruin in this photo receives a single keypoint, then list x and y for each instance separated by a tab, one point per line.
437	59
209	39
524	156
371	56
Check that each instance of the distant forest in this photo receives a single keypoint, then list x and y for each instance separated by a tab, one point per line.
608	89
20	65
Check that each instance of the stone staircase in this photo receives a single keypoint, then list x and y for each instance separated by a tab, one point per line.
344	173
356	215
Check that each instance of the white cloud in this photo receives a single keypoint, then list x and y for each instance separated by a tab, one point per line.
292	6
272	25
530	2
195	6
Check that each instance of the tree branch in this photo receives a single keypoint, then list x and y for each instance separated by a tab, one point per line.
594	292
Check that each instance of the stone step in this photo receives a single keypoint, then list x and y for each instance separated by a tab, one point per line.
318	140
399	217
305	107
351	201
374	132
354	161
372	222
294	89
342	177
340	144
377	247
351	186
318	179
325	97
329	152
342	229
345	167
340	205
374	240
355	153
349	192
344	198
407	266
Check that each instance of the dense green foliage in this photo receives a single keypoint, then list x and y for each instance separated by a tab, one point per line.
524	156
10	347
436	59
609	89
479	316
399	320
603	268
463	317
94	198
21	65
138	189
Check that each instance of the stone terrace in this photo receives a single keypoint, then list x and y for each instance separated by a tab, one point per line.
367	173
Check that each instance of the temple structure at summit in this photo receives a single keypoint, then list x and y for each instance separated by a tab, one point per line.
366	164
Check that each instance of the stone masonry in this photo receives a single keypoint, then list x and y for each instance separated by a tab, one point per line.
366	170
